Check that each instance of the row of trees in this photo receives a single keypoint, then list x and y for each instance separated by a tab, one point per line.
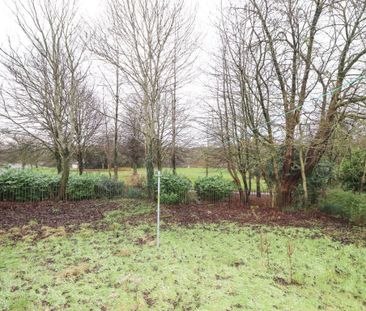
289	77
287	86
144	49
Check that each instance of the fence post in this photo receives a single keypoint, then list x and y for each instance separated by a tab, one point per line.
158	214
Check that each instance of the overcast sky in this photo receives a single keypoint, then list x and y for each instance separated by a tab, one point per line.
90	9
195	92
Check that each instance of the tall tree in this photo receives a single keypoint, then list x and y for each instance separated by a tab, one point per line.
148	42
299	62
43	77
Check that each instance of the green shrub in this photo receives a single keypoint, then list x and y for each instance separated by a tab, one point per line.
90	186
345	204
170	198
173	188
28	185
135	193
108	188
213	188
351	171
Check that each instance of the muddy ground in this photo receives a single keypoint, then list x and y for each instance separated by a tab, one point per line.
56	214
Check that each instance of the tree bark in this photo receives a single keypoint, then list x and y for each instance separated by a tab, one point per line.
115	146
80	159
62	191
258	184
149	170
58	162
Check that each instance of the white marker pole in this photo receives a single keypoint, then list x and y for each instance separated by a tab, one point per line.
158	215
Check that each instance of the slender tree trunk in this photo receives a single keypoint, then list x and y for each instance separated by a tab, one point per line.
303	177
258	184
58	162
245	184
149	170
250	184
302	167
115	145
174	119
159	157
64	177
80	159
174	156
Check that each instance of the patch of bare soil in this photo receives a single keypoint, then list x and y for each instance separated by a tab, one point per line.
71	215
257	211
53	214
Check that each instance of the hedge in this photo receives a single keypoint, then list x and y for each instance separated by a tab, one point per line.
28	185
213	188
346	205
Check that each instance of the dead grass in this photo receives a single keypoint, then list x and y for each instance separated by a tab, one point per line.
75	271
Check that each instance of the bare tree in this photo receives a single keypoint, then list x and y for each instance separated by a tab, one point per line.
293	63
106	45
87	122
43	77
148	40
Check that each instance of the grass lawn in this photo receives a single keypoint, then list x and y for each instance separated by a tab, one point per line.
114	265
192	173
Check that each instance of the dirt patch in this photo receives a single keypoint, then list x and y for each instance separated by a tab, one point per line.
51	218
213	213
53	214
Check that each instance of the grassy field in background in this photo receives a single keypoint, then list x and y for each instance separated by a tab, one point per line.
222	266
192	173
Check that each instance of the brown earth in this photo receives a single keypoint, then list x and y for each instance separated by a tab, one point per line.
72	214
53	214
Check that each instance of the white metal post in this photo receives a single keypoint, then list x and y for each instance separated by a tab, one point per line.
158	214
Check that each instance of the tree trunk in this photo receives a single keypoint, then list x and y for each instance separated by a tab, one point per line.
149	170
303	177
159	161
80	159
58	162
285	191
302	167
258	184
64	178
115	146
242	196
174	160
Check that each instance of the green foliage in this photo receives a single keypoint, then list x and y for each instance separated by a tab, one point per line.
213	188
317	182
27	185
351	171
345	204
171	198
135	193
173	188
89	186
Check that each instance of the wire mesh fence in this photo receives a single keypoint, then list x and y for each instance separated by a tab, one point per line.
119	190
37	194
